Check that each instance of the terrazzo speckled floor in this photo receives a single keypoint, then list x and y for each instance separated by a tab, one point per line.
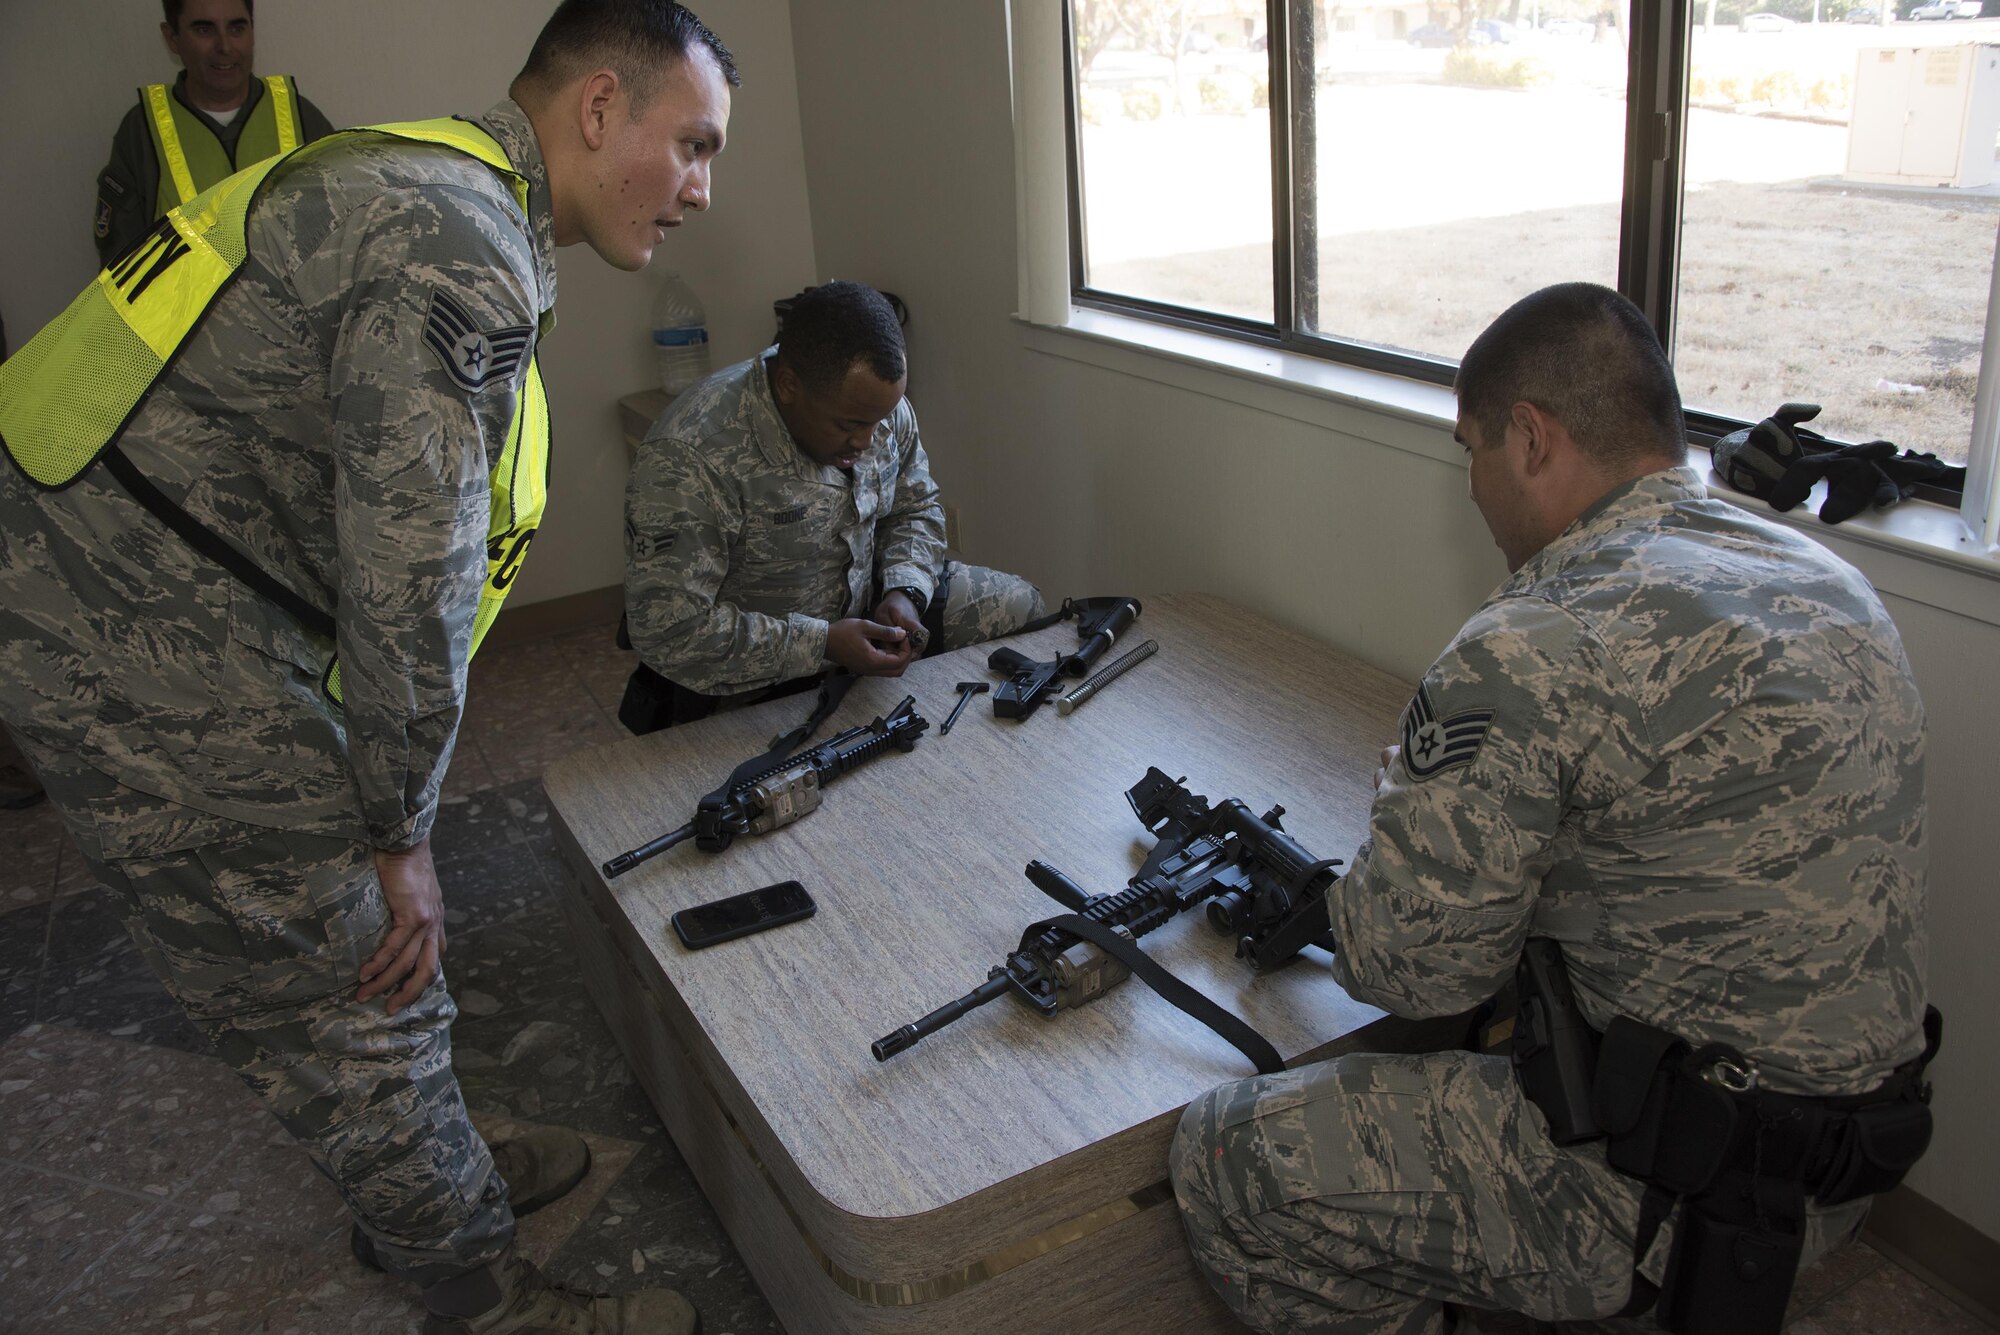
142	1188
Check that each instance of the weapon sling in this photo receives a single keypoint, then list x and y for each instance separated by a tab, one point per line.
832	691
1157	976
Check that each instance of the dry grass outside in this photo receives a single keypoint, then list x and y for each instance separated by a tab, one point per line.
1872	305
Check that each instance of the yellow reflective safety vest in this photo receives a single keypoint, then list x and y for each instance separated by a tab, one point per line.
68	394
193	159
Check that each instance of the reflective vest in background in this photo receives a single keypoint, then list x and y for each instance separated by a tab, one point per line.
192	159
67	395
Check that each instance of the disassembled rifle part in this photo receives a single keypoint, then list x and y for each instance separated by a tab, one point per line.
1105	676
759	798
966	690
1099	623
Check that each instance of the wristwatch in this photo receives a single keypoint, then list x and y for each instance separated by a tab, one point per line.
918	598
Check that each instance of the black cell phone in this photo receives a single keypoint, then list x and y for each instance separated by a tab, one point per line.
740	915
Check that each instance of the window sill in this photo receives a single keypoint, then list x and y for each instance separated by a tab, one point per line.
1917	550
1408	414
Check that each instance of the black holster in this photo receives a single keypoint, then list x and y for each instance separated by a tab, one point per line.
1554	1046
1739	1163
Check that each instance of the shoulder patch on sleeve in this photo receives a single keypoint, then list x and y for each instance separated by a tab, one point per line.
102	224
471	356
645	546
1432	745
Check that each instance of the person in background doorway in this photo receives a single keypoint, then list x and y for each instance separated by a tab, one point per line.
215	119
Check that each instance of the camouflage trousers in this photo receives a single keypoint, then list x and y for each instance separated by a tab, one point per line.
260	935
982	604
1362	1194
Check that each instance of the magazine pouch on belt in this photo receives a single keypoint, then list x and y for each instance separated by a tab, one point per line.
1882	1143
1731	1161
1672	1117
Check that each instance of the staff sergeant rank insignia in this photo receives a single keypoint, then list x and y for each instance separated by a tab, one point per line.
1432	745
471	356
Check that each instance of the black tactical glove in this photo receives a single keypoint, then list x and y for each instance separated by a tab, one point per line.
1854	481
1756	459
1778	460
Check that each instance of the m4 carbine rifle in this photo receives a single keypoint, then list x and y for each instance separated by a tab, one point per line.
1099	623
1260	887
767	793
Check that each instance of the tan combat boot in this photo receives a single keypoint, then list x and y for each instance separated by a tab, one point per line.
538	1166
541	1166
514	1299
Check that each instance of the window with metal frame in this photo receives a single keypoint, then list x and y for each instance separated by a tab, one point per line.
1804	204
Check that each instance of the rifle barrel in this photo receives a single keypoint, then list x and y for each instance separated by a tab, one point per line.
625	862
909	1035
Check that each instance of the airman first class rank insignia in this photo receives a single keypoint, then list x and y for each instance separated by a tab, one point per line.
645	545
471	356
1431	746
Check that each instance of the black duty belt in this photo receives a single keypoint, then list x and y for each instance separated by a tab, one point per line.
1739	1162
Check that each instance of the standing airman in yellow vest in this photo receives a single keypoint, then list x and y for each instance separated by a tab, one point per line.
264	482
215	119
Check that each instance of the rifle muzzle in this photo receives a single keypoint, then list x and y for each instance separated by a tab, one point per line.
625	862
909	1035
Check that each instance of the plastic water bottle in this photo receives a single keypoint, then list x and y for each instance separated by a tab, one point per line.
680	335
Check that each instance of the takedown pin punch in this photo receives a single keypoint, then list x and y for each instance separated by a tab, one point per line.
1099	680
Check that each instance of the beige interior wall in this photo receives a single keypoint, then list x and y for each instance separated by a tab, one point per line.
1092	481
67	74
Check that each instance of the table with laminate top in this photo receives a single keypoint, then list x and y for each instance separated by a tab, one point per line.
1009	1172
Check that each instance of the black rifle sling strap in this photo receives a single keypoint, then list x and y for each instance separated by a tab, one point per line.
205	540
1063	613
831	692
1122	948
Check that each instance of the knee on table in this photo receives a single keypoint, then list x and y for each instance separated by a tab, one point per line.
985	604
1024	602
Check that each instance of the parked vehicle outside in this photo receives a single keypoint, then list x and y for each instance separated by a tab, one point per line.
1769	22
1432	34
1947	9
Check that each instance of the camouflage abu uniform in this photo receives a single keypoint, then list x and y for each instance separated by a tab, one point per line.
739	550
177	718
1684	743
